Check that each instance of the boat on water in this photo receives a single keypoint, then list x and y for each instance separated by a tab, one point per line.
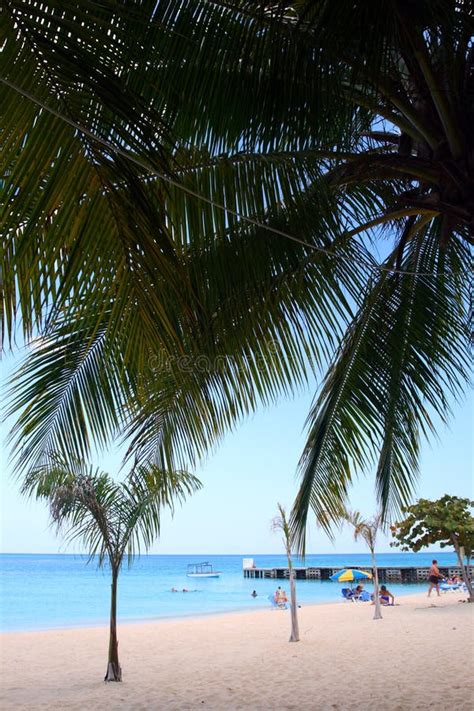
202	570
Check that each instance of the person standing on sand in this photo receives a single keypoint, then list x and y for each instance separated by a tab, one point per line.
434	578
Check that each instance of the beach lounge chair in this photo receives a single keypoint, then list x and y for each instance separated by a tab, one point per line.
277	605
447	587
348	594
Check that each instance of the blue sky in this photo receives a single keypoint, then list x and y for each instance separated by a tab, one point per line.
252	470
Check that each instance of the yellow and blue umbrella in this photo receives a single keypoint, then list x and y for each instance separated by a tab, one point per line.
348	575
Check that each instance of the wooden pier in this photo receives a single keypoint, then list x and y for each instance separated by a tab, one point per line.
399	574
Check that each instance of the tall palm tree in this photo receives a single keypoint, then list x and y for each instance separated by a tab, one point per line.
112	520
216	180
280	523
368	530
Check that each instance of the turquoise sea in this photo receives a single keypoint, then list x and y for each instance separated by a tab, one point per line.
51	591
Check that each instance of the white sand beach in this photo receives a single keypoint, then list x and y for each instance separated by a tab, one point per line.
419	656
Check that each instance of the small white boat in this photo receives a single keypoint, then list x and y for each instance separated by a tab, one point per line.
202	570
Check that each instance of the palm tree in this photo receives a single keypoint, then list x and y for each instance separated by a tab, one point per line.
368	530
112	519
280	523
214	181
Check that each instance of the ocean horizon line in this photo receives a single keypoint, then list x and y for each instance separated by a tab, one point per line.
446	551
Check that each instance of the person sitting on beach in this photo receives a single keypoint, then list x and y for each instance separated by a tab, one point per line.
358	591
386	596
280	597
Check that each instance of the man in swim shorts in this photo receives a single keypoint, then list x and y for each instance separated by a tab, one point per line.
434	578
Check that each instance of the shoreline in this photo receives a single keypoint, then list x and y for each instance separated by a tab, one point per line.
176	618
160	620
243	660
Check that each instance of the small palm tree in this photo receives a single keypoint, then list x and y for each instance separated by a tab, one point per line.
280	523
367	529
111	519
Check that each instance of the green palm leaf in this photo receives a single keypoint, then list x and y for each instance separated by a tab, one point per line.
215	179
406	348
109	518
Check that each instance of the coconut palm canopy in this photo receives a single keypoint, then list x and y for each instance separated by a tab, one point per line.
196	195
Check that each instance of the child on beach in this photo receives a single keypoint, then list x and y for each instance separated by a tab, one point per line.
386	596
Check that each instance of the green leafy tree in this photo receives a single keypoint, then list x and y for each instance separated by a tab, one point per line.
445	522
367	529
280	524
267	186
113	520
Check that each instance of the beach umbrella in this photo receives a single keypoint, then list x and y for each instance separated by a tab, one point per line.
348	576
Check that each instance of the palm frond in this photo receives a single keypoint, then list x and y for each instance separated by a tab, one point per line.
82	503
109	518
70	386
399	358
335	112
148	490
258	329
101	67
364	528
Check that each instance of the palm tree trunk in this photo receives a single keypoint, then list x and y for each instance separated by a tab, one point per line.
377	611
464	570
114	671
295	632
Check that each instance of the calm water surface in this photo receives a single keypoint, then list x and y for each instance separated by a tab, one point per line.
49	591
